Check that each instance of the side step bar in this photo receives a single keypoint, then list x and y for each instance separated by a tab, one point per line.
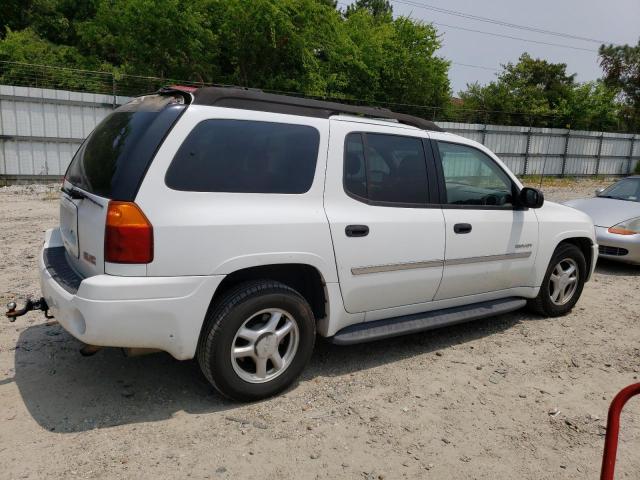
420	322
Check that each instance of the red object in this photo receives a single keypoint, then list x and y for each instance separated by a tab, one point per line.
128	236
184	88
613	429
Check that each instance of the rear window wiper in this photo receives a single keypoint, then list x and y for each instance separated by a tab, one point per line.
78	195
73	193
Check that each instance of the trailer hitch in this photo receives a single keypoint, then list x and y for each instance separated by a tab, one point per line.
29	305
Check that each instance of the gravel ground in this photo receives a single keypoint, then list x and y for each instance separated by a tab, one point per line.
516	396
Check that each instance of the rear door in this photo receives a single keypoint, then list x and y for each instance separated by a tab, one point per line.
491	241
82	225
388	237
110	165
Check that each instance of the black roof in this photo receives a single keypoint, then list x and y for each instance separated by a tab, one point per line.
253	99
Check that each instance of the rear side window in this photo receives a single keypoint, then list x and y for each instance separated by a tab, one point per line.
385	168
114	158
245	156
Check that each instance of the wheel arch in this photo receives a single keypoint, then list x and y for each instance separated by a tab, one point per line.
304	278
576	237
585	244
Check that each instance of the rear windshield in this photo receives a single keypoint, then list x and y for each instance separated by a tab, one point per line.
245	156
113	159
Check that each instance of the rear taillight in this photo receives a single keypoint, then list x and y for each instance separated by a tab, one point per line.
128	236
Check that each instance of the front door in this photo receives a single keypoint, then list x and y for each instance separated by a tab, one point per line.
387	236
491	243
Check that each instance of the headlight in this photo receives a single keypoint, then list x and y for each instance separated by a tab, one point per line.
628	227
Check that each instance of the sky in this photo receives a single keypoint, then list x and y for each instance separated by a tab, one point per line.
614	21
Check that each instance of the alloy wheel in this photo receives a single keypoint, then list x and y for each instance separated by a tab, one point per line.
563	282
265	345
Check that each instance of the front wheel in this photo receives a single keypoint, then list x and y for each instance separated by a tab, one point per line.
563	282
256	340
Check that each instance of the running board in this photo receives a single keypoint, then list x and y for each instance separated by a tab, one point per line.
420	322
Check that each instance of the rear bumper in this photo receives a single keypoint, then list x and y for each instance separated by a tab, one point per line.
165	313
621	248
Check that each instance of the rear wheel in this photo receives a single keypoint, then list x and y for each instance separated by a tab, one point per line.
563	282
256	340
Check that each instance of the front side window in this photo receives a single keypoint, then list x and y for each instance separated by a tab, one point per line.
473	178
385	168
245	156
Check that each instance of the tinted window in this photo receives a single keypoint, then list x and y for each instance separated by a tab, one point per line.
245	156
385	168
355	175
113	159
472	177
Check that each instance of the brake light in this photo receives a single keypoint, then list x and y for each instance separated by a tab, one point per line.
128	234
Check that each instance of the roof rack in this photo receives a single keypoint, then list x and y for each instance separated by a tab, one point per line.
254	99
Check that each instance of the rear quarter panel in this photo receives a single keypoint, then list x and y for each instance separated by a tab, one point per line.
209	233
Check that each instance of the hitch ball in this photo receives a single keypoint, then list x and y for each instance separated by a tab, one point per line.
29	305
11	309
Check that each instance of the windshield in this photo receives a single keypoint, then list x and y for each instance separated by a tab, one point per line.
626	189
106	156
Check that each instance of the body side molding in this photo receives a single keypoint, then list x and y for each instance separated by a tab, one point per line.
393	267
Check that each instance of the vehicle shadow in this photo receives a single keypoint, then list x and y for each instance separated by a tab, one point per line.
65	392
618	269
333	360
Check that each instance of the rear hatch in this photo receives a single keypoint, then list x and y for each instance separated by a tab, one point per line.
110	165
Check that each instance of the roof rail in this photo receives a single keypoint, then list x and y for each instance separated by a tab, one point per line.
254	99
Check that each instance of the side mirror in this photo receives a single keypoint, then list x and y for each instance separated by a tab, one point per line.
599	191
531	197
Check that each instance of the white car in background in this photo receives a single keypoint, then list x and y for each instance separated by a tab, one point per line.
233	226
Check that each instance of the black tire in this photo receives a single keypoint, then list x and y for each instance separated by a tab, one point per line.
543	303
228	315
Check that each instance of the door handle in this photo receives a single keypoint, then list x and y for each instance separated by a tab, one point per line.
356	230
462	228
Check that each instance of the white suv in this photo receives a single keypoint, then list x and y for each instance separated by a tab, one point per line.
233	226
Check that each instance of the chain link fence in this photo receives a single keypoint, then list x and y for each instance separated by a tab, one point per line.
116	84
63	78
46	112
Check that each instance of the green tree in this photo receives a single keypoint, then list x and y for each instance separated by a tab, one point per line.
412	73
621	65
330	3
539	93
164	38
592	106
377	8
396	62
262	42
52	20
14	15
537	80
302	46
311	49
26	47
